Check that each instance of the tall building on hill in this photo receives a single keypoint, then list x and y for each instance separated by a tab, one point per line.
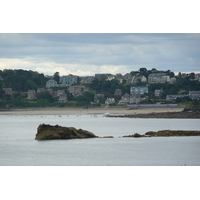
139	90
68	80
51	83
158	78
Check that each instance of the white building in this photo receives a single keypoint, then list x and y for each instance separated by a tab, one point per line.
51	83
174	97
31	95
110	77
130	99
158	92
59	92
62	98
86	79
197	77
68	80
139	90
110	101
137	79
158	78
172	80
194	95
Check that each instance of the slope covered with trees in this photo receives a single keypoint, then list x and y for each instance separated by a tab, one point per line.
22	80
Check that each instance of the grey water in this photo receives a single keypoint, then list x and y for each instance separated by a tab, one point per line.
18	146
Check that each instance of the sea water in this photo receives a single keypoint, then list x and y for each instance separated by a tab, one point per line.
18	146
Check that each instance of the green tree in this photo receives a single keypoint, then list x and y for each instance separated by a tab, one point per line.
1	90
133	73
192	75
17	100
85	99
56	77
95	85
78	80
143	71
22	80
30	85
45	96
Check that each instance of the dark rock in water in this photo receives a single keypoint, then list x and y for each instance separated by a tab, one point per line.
107	137
48	132
136	135
165	133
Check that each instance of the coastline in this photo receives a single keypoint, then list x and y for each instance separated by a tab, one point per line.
89	111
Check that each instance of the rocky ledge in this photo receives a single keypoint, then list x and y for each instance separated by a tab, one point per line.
173	133
189	112
169	115
49	132
166	133
136	135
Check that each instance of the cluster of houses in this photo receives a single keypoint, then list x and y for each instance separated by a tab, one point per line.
135	91
128	78
194	95
63	81
32	94
60	93
136	97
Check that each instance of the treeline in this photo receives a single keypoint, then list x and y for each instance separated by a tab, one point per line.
108	87
145	72
22	80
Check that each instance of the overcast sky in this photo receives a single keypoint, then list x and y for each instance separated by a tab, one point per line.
86	54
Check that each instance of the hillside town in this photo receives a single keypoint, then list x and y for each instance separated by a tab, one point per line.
137	87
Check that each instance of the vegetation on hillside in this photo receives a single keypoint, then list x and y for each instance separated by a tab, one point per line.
22	80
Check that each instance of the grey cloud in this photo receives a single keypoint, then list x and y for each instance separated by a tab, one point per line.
178	52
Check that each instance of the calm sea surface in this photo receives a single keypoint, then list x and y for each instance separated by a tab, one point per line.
18	146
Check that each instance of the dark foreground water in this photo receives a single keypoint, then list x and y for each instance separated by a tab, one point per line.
19	148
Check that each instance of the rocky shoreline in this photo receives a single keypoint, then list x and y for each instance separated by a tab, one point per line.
162	115
49	132
166	133
190	112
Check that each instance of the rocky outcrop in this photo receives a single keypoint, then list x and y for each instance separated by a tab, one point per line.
164	133
191	108
167	115
48	132
189	112
136	135
107	137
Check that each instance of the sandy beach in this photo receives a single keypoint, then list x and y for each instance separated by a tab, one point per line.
89	111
